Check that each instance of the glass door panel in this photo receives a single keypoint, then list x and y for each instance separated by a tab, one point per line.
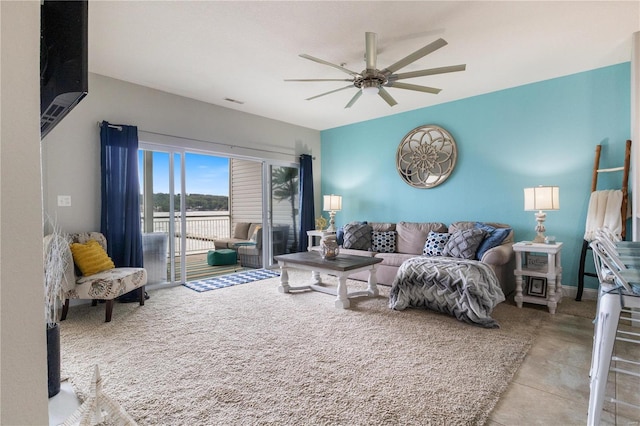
157	207
284	210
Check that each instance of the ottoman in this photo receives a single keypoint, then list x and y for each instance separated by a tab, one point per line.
221	257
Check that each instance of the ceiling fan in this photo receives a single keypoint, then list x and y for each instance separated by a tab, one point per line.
372	80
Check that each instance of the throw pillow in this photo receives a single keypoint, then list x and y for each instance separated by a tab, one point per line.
464	244
254	237
383	241
494	237
357	236
436	241
91	258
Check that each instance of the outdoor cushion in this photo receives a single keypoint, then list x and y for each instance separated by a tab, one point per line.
221	257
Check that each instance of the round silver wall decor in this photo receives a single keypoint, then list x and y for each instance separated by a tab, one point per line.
426	156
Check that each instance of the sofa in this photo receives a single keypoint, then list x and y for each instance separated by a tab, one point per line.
490	243
246	239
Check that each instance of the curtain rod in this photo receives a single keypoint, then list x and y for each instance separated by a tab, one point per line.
111	126
199	140
220	143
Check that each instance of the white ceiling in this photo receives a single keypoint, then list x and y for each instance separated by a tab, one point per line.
211	50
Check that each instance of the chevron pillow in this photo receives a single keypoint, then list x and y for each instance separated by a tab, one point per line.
357	236
464	244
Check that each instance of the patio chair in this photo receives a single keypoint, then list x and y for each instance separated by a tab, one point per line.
619	290
105	285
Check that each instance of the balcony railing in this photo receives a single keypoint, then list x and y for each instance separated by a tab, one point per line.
201	229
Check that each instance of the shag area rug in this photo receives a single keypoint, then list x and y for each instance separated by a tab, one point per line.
250	355
231	279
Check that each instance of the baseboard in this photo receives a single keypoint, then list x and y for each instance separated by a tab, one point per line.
587	294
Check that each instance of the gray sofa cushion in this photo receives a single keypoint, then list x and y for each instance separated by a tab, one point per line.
464	244
412	235
357	236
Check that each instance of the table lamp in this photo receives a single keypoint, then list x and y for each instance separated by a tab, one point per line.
332	204
541	198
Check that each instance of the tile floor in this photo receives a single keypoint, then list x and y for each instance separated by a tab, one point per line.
550	388
552	385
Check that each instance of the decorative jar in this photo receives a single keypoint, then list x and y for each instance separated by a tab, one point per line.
329	247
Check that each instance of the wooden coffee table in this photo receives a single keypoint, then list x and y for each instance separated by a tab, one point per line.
342	266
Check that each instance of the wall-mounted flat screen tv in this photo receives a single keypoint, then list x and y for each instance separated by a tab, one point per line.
63	59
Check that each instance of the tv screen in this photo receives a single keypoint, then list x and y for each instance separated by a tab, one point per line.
63	59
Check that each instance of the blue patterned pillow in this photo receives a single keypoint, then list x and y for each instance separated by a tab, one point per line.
383	242
435	243
495	237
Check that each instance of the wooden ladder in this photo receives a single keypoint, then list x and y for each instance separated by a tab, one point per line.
623	209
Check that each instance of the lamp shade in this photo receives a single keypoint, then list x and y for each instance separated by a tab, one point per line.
542	198
332	203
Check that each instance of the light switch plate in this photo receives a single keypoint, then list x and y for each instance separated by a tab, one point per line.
64	200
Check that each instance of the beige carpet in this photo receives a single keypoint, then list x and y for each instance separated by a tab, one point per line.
251	355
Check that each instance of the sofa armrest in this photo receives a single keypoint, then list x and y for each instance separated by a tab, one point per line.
499	255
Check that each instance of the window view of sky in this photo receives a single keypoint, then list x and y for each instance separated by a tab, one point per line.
205	174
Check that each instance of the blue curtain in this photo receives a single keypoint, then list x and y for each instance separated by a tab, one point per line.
307	213
120	222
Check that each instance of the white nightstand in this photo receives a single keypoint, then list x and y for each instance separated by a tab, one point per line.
538	274
316	234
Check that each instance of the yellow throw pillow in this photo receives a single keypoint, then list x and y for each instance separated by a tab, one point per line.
91	258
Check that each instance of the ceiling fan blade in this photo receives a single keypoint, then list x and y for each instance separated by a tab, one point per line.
414	87
371	53
321	61
354	99
328	93
429	48
387	97
319	79
432	71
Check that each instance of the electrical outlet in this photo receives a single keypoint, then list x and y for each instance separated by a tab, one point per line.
64	200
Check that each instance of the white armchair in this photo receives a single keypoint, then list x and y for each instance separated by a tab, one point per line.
105	285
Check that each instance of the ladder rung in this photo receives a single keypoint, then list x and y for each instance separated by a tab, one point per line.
628	404
621	371
628	333
613	169
628	361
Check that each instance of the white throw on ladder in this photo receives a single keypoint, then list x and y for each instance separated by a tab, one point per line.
604	212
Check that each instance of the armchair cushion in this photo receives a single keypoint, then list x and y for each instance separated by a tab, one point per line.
91	258
109	284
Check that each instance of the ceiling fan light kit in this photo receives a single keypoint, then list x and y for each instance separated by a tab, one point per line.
372	80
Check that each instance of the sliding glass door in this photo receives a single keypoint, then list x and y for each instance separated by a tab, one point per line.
189	199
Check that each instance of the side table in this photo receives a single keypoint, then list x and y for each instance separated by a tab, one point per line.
542	281
316	234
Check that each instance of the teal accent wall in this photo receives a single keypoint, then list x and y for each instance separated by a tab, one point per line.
543	133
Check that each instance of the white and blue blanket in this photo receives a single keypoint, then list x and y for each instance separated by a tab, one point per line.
466	289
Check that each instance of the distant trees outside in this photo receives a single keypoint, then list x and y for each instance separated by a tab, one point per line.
194	202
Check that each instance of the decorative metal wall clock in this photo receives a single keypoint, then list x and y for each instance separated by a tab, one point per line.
426	156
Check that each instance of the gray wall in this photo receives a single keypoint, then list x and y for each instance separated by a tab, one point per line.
71	151
23	388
